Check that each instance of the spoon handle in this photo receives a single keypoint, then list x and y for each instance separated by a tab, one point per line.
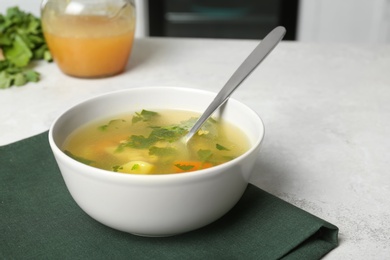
246	68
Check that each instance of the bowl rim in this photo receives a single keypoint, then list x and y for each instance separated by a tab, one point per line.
111	175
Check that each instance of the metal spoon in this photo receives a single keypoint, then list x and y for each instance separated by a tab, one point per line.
251	62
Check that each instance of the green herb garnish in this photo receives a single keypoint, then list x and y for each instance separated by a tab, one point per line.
162	151
208	130
135	167
220	147
116	168
112	123
184	167
21	41
139	142
144	116
204	155
168	133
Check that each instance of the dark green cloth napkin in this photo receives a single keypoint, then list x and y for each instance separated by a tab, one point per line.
40	220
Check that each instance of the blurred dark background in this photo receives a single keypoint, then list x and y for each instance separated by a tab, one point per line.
238	19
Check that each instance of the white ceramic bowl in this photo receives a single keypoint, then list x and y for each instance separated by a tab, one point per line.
156	205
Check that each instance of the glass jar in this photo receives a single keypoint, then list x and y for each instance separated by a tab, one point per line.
89	38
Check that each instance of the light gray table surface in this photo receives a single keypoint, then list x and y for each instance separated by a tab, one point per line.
326	110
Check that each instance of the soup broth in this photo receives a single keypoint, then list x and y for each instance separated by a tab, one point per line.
149	142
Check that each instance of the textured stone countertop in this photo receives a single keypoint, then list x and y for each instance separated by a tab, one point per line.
326	110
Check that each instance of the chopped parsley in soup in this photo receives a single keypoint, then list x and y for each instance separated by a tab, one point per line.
149	142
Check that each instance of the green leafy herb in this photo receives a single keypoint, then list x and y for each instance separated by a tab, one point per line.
116	168
204	155
184	167
78	158
139	141
208	129
18	53
103	127
220	147
16	77
113	123
135	167
162	151
144	116
21	41
168	133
